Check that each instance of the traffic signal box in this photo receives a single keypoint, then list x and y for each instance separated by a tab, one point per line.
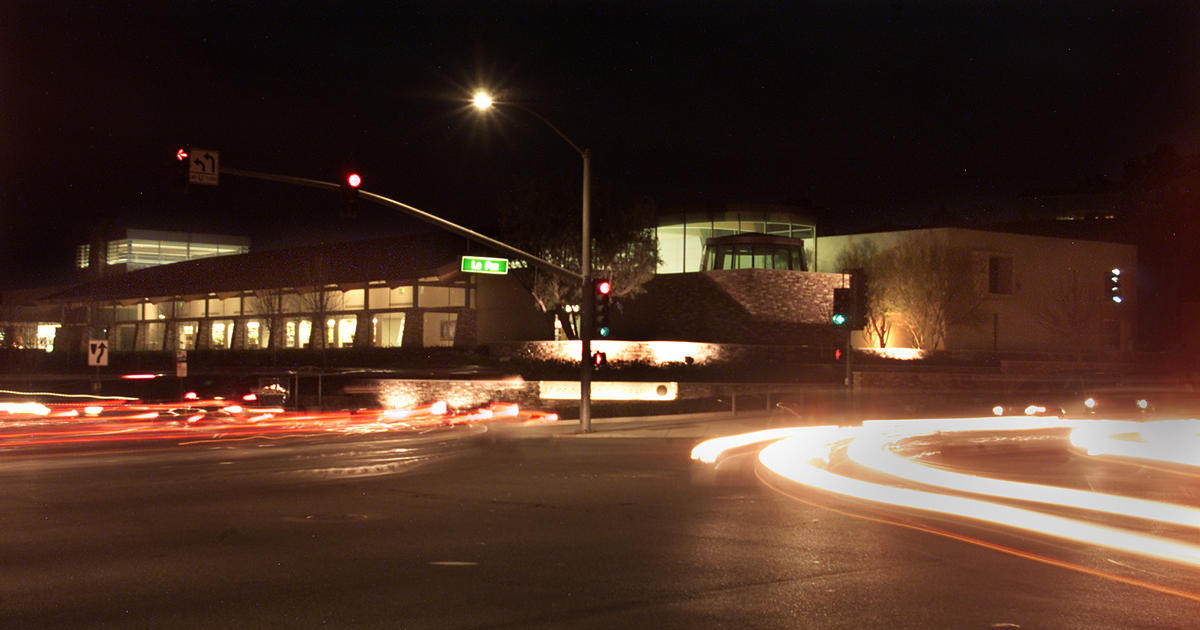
177	177
843	309
350	183
602	290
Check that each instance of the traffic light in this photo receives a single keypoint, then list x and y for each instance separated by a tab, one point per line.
1114	285
602	290
842	303
177	179
350	184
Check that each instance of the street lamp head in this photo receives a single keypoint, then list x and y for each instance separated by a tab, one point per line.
482	100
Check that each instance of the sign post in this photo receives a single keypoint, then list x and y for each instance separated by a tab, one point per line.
97	352
97	357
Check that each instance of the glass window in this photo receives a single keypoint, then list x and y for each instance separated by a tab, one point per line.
291	303
345	331
379	297
254	334
222	334
353	299
45	336
187	335
128	313
123	337
402	296
389	330
439	329
439	297
305	333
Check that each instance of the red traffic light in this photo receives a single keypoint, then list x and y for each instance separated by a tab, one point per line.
181	155
603	287
353	180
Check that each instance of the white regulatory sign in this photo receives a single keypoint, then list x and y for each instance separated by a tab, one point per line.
97	352
204	167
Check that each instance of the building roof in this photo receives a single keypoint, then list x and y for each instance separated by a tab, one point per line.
393	260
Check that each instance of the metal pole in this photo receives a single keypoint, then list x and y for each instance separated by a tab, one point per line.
588	306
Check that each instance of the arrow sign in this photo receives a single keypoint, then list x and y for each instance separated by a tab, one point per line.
97	352
204	167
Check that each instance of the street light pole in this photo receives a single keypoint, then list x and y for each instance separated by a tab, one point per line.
588	306
484	101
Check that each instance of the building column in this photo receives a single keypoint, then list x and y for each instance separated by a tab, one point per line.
203	334
364	330
466	330
414	329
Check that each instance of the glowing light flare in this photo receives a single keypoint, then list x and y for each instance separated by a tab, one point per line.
1167	441
482	100
139	377
24	409
354	180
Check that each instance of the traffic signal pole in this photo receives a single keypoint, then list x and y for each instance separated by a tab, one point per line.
584	277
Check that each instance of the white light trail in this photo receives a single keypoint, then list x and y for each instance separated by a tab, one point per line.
802	455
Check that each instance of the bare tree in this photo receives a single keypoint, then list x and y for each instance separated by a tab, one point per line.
320	300
930	286
269	304
540	221
863	256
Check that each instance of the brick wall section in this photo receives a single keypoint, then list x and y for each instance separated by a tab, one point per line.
749	306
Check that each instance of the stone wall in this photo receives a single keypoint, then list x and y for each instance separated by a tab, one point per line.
748	306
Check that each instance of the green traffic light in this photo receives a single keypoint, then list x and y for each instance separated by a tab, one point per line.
603	332
839	319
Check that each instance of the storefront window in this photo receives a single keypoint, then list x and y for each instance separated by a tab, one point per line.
389	330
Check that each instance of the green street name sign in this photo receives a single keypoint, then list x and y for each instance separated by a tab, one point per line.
480	264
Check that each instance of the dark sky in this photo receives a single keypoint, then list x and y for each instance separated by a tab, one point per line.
871	110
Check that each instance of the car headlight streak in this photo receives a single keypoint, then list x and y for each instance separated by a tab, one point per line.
801	455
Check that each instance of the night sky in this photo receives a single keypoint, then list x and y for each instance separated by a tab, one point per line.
868	112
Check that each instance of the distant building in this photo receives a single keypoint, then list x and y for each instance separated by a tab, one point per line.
383	293
1036	293
740	275
130	250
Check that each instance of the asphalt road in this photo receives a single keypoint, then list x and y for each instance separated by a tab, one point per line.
434	531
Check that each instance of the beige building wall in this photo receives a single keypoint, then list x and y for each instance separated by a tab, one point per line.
1020	280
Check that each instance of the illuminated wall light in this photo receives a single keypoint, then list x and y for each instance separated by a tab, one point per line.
609	390
902	354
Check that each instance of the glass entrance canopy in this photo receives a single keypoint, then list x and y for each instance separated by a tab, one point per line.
681	237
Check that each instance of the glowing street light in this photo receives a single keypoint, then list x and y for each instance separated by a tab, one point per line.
484	102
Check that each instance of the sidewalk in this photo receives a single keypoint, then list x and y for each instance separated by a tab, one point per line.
693	425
